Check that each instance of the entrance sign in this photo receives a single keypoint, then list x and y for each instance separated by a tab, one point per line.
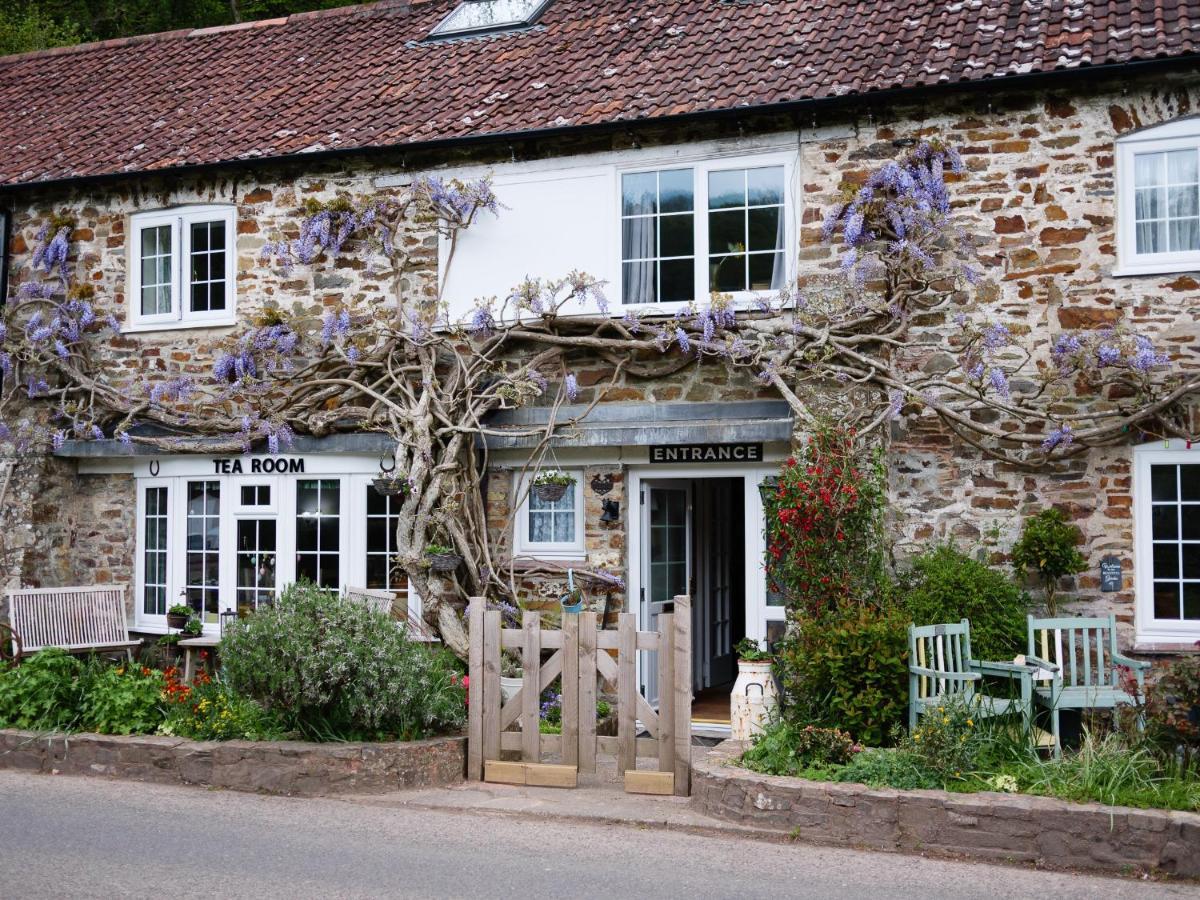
706	453
1110	574
259	466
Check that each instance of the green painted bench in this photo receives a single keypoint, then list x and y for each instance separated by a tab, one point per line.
941	668
1077	662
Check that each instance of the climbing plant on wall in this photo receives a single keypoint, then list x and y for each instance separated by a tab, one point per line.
835	346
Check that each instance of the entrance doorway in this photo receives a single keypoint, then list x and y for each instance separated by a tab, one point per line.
693	541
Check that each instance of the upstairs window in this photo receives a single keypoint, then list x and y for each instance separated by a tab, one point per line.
182	264
478	16
1158	197
713	227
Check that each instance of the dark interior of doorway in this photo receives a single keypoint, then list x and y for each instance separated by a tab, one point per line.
718	586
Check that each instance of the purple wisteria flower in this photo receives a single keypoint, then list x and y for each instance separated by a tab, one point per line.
1108	355
1061	436
999	382
571	385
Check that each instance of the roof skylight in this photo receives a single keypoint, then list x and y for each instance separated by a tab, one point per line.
475	16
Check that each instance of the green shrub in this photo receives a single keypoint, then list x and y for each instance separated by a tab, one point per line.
945	585
1172	714
42	693
947	740
786	749
847	669
121	699
210	711
888	768
333	669
1048	545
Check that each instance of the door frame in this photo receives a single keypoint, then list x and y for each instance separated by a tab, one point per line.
663	484
757	611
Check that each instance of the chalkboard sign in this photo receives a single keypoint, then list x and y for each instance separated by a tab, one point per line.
1110	574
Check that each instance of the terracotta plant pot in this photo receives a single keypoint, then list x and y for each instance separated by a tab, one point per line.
444	562
550	493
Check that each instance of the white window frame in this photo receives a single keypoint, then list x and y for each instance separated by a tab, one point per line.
701	167
180	220
1181	134
523	546
1150	630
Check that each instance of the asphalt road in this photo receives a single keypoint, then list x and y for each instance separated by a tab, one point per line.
74	837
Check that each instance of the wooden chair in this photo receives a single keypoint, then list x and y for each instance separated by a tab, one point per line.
76	619
1078	661
941	669
382	601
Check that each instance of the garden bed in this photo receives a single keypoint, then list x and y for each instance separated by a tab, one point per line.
269	767
1015	828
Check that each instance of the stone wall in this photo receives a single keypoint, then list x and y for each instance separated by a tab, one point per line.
265	767
1005	827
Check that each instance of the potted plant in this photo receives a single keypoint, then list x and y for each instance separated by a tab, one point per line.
442	558
754	697
193	628
572	600
550	485
511	676
169	647
391	484
178	615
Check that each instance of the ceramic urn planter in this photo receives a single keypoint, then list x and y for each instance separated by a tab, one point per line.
752	700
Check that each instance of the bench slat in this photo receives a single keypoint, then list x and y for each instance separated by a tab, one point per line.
75	619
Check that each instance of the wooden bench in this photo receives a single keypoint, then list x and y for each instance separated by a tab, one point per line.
76	619
1078	662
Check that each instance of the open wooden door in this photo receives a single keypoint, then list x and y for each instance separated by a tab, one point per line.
666	557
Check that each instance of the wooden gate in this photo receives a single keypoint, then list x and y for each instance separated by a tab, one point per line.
583	656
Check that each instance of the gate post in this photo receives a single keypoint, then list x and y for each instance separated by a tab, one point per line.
475	689
570	689
683	694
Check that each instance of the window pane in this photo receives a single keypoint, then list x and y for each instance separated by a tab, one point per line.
678	235
199	237
1181	167
1191	561
377	566
216	295
1149	203
1162	483
678	280
155	301
637	282
1166	560
639	238
727	273
1191	601
1164	523
675	190
765	231
1189	481
199	298
766	271
564	527
1189	521
1181	202
726	189
765	186
1185	235
306	533
329	533
1148	169
639	194
306	496
727	232
1166	600
199	267
216	236
330	497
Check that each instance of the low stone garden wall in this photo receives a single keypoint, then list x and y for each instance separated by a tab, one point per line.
1016	828
269	767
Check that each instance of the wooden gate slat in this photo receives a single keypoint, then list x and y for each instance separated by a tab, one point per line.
587	692
531	696
626	692
666	692
491	684
570	689
683	694
475	690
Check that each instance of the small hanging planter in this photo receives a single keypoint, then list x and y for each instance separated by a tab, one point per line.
391	485
572	600
551	485
389	482
442	559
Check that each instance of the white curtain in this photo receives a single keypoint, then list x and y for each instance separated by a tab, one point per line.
640	275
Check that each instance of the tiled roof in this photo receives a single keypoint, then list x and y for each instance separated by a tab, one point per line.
364	77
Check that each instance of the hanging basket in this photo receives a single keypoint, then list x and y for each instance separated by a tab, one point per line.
444	562
572	601
550	493
390	485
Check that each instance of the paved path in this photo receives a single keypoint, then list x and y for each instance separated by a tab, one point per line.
76	837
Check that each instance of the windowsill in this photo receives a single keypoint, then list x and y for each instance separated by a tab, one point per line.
1151	269
1166	646
178	325
743	301
550	556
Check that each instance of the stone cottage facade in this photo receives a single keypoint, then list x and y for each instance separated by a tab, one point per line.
1060	127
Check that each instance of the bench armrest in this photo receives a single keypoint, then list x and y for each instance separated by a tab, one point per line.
1136	664
949	676
988	667
1041	663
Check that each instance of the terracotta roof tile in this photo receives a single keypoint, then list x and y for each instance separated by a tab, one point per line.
364	77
